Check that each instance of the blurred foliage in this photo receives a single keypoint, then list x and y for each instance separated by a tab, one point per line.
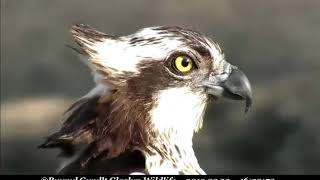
275	42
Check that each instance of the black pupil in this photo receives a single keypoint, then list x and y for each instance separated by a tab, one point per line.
185	62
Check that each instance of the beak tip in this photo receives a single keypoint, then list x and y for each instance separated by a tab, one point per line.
239	84
248	104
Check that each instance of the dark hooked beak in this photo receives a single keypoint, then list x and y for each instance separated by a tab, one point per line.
236	86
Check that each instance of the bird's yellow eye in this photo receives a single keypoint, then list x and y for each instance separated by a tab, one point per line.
183	64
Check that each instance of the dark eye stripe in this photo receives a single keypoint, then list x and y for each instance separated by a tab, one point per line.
204	52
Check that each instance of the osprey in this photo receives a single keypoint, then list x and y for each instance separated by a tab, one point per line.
152	89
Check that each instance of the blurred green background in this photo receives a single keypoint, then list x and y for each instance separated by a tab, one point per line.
276	43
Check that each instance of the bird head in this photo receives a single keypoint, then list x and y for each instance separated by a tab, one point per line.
152	90
174	70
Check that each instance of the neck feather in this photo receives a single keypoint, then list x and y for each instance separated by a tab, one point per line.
175	116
